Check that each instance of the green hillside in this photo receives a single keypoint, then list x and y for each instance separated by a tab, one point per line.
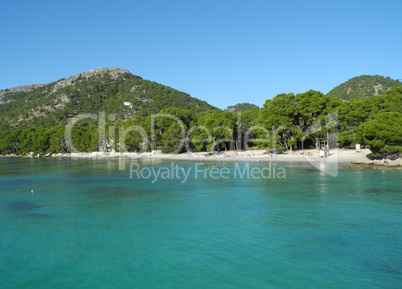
111	90
241	107
364	86
33	118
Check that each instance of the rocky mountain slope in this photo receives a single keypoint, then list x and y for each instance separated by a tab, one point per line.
111	90
364	86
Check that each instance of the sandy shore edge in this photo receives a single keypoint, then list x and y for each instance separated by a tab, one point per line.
335	155
356	159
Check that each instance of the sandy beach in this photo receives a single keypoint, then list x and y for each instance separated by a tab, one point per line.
345	156
336	155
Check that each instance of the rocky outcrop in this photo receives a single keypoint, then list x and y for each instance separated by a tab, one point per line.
24	88
377	165
114	73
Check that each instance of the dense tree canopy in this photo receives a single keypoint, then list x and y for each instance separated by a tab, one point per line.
241	107
383	133
163	118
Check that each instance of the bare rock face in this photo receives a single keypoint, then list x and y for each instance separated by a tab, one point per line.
23	88
114	72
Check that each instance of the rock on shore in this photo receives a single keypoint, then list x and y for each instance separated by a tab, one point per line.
377	165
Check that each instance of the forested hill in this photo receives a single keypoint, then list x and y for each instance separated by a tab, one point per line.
364	86
111	90
33	119
241	107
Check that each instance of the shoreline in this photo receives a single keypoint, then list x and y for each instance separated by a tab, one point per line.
353	158
335	155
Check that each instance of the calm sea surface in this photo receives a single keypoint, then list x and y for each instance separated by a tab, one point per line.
88	225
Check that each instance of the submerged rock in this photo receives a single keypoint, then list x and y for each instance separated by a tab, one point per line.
22	206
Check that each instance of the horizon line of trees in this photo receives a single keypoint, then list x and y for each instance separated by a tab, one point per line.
286	122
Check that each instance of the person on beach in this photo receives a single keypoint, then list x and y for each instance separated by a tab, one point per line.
384	161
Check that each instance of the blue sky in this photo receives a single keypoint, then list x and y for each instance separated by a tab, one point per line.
223	52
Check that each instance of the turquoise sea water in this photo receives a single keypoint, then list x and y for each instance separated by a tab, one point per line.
88	225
